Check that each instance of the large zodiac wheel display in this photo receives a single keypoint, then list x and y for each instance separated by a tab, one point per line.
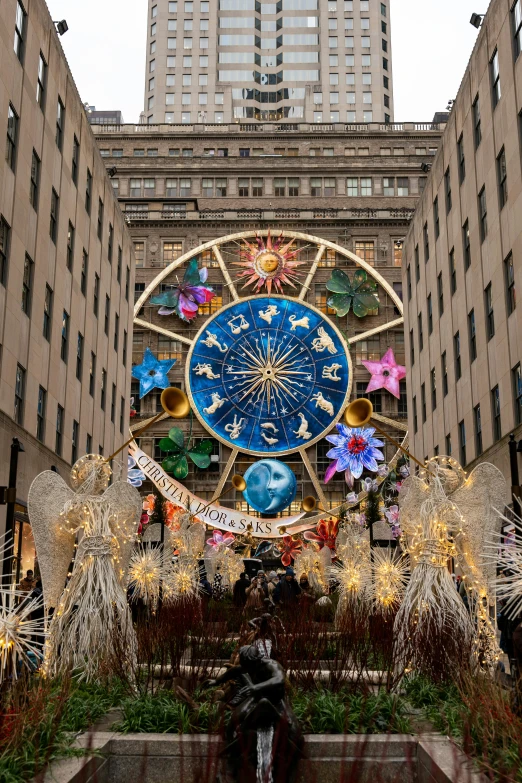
269	336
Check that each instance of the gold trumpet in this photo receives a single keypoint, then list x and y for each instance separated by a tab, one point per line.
359	412
174	402
309	503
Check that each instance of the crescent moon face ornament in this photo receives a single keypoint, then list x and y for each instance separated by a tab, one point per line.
271	486
277	375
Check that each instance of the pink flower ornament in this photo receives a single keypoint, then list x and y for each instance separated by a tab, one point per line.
386	374
220	539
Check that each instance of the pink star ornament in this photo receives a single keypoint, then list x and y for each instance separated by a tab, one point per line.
386	374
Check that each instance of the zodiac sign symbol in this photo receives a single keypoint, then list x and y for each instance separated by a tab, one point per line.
270	312
320	402
243	324
270	441
269	426
235	427
304	322
212	341
217	402
302	432
206	369
323	342
331	372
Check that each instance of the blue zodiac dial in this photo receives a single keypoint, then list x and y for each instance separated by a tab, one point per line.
268	374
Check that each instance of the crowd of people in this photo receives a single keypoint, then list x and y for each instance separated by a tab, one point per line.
282	588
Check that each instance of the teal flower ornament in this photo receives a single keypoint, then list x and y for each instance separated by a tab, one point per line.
359	295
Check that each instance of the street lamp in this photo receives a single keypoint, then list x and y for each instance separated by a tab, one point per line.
8	497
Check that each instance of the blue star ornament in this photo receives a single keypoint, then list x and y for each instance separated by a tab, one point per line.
152	373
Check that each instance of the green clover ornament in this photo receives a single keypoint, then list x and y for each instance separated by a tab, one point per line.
177	463
360	295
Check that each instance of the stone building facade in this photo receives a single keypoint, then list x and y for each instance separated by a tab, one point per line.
462	263
181	190
221	61
66	268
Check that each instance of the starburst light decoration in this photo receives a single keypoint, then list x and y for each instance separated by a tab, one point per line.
390	573
269	264
316	565
145	573
21	638
352	571
507	559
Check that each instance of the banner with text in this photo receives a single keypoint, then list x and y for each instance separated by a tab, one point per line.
216	515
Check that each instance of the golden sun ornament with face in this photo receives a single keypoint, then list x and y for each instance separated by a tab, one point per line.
270	264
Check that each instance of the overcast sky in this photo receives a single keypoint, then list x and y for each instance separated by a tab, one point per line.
431	43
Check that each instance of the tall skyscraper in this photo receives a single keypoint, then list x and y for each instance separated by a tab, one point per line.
219	61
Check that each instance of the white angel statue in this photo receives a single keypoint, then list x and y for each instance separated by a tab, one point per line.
102	522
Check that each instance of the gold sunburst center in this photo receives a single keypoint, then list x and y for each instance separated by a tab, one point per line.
268	263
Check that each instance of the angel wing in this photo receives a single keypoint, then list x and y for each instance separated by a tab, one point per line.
126	501
48	496
480	500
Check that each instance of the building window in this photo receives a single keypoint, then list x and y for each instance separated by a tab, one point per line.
92	374
436	218
127	282
257	186
123	406
47	314
421	334
461	159
452	271
403	186
293	186
415	420
116	332
516	13
366	251
169	349
59	430
40	414
120	262
20	29
42	82
472	332
107	314
426	243
27	285
60	118
171	251
53	221
74	441
402	408
423	402
444	364
510	284
75	160
103	389
440	294
477	128
447	189
456	348
79	356
4	249
366	186
99	229
124	349
12	137
477	425
490	316
35	180
19	395
88	192
70	246
412	348
462	443
433	387
417	264
502	177
374	397
65	336
466	244
352	186
110	243
280	186
408	278
495	412
495	79
96	294
113	402
185	187
516	373
448	445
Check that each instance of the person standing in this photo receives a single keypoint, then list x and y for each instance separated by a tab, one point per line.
287	591
28	583
255	595
239	593
273	581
